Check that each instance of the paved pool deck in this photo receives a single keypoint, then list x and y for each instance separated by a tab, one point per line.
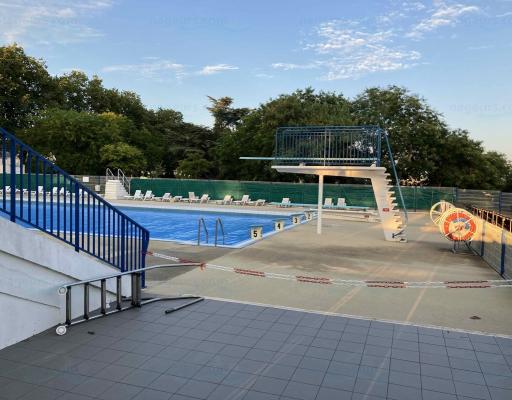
347	250
232	351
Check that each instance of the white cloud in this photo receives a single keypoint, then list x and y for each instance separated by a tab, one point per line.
33	22
347	51
217	68
155	69
442	15
506	14
292	66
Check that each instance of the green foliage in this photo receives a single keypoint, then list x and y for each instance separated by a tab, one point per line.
88	127
194	166
123	156
26	88
75	138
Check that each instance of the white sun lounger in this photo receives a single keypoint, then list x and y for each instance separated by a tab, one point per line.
341	202
285	202
328	202
191	197
244	201
136	196
148	196
259	202
166	197
228	199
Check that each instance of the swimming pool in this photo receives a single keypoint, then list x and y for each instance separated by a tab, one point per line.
176	225
182	225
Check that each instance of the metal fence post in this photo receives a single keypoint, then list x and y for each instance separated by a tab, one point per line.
13	181
503	251
77	218
123	233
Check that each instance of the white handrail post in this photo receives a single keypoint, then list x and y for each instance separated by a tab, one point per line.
320	201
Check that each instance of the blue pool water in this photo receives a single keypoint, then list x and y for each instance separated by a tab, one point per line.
163	224
181	225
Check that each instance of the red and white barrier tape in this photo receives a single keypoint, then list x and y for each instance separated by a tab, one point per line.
481	284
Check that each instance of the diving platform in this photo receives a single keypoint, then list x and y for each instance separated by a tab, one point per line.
343	151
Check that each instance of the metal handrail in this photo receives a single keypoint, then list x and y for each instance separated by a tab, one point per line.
42	195
126	182
201	222
136	294
218	222
493	217
397	178
328	145
121	177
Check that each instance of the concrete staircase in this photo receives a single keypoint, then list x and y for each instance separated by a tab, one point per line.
390	216
114	190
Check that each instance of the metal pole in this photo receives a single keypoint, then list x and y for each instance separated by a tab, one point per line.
119	294
320	201
86	301
13	181
103	296
68	306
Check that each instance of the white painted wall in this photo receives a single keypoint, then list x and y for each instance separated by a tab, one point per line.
33	266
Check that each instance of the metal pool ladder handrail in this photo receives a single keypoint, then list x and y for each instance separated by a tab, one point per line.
201	222
136	300
218	222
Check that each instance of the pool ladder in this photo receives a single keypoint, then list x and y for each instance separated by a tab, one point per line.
218	223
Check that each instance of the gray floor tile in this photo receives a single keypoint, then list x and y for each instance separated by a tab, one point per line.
432	395
500	394
168	383
140	377
279	371
183	370
250	366
197	389
308	376
132	360
150	394
120	391
340	382
405	379
92	387
465	364
471	390
437	384
333	394
302	391
223	392
16	389
316	364
211	374
240	379
372	388
42	393
398	392
436	371
253	395
468	376
269	385
500	381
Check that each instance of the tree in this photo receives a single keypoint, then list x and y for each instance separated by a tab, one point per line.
123	156
255	134
26	88
75	138
194	166
226	117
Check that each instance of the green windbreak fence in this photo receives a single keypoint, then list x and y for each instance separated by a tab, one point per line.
416	198
31	182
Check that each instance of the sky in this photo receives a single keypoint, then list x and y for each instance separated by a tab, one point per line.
174	53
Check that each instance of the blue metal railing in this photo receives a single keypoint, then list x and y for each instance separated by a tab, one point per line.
37	193
328	145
